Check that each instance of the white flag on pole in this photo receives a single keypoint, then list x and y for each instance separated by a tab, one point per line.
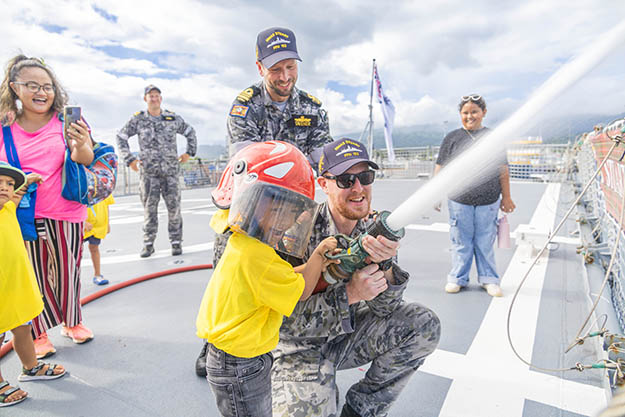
388	110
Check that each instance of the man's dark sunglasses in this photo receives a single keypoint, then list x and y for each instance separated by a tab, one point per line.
348	180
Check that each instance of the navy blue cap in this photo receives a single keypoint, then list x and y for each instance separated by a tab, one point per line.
16	174
274	45
150	88
341	155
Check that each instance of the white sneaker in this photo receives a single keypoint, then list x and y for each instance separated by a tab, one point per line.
452	288
493	290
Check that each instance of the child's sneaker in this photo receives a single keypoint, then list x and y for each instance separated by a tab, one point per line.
78	333
43	346
100	280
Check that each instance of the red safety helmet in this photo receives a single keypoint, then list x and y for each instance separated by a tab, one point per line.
269	188
266	160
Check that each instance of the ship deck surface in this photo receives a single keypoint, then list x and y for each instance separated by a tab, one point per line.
141	362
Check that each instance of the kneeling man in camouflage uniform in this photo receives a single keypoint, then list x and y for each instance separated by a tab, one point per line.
353	322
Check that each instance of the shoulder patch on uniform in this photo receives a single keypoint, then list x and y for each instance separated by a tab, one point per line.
168	115
138	113
310	97
247	94
239	111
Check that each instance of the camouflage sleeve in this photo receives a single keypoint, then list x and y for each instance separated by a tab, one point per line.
186	130
318	137
325	314
129	129
219	246
385	303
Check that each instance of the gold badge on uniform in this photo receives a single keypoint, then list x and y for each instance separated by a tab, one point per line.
302	120
245	95
239	111
314	99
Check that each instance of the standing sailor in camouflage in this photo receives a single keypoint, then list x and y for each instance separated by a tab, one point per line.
158	165
354	322
273	109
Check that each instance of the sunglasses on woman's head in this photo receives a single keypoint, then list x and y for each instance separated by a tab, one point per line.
348	180
474	97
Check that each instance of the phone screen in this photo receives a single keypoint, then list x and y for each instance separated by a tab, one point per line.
71	114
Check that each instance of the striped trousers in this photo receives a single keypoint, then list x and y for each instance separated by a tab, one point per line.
56	257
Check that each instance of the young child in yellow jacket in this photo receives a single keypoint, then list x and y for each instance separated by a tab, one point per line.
252	288
96	228
20	297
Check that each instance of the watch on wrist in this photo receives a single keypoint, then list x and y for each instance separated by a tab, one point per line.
386	264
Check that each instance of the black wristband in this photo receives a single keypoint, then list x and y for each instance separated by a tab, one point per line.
386	264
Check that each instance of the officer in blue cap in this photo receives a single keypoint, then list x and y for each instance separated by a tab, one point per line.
275	109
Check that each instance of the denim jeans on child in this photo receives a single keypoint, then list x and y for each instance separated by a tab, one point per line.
242	386
473	230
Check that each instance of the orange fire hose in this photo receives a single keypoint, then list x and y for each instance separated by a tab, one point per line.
7	347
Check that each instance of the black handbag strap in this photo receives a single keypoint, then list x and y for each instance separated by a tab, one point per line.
9	147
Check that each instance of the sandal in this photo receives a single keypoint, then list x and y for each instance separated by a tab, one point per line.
32	374
6	394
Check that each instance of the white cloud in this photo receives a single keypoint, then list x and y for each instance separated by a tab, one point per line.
201	54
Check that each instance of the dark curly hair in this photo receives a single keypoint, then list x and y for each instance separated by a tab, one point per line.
8	97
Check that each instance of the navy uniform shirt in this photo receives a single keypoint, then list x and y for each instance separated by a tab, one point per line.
157	141
254	117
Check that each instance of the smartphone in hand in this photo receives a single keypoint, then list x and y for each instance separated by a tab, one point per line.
71	114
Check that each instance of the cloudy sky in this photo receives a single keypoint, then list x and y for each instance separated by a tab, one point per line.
201	54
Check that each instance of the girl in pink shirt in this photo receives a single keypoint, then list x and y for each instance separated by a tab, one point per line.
31	99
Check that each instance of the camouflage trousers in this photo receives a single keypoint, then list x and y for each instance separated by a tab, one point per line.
150	190
395	346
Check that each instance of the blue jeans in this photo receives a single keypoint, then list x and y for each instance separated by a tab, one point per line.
242	386
473	230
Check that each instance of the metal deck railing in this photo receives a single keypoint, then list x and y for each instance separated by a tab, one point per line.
526	162
195	173
603	205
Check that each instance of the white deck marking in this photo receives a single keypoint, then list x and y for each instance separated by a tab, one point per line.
489	381
164	253
126	219
139	219
444	227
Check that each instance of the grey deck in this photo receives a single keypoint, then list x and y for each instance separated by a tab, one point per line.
141	362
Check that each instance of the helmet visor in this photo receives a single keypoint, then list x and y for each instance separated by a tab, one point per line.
276	216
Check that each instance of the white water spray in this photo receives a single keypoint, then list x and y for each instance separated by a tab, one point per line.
488	150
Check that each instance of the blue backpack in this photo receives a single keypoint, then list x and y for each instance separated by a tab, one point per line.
92	184
26	210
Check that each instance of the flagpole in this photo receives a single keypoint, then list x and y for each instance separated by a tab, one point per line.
370	138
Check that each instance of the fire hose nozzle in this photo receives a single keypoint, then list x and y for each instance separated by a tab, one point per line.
353	254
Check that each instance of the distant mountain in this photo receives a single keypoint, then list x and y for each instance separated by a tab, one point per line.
406	137
558	130
211	151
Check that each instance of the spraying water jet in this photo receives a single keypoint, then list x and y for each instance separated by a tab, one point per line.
480	157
